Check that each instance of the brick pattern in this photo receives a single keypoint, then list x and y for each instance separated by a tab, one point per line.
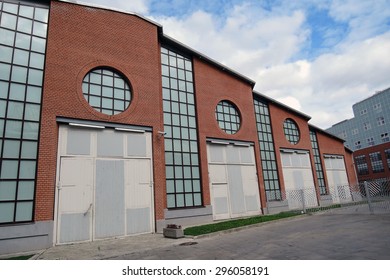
79	39
212	86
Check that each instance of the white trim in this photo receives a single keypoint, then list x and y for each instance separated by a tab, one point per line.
87	125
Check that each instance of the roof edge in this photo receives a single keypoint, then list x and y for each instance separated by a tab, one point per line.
86	4
326	133
280	104
186	49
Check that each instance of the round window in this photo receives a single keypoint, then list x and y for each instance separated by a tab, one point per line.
106	91
291	131
228	117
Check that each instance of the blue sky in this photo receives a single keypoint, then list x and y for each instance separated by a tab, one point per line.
317	56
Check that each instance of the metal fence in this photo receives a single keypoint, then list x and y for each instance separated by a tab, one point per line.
370	197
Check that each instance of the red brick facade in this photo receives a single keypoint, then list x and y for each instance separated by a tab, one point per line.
366	152
79	39
212	86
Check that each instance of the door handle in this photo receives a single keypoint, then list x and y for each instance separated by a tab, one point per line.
89	208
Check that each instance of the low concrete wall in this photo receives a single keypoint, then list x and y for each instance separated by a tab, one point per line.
274	207
186	217
26	237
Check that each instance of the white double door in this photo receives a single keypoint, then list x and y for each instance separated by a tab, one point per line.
233	181
102	197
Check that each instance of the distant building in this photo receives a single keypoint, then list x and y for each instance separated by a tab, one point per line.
370	125
368	135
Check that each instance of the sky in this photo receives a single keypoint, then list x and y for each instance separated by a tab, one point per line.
317	56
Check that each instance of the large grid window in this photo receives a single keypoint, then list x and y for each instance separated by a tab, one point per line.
228	117
376	162
106	91
361	165
22	55
181	141
387	153
317	162
291	131
267	151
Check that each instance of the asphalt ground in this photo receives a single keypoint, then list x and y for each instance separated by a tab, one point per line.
334	235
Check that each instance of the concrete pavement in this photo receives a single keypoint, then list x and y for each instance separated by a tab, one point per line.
327	235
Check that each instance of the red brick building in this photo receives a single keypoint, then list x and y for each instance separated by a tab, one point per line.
373	163
111	128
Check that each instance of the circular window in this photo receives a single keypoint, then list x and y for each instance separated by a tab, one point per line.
228	117
106	91
291	131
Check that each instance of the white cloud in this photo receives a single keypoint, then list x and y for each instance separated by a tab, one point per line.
136	6
246	42
328	86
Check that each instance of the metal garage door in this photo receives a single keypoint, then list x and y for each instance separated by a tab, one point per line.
233	180
336	175
104	184
298	178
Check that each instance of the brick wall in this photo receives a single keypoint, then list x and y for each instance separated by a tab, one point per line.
212	86
79	39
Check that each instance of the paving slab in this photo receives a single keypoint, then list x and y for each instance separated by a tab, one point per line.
326	235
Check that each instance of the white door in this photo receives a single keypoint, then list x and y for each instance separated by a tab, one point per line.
105	185
75	200
298	179
138	196
233	181
337	179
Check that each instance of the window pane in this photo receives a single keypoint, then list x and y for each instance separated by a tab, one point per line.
8	21
40	29
1	130
3	89
180	200
5	71
32	112
3	108
9	169
7	190
15	110
24	25
189	201
30	130
5	54
6	212
33	94
26	11
38	44
197	199
24	211
17	92
37	60
41	14
7	37
13	129
170	201
11	149
21	57
11	8
22	41
35	77
29	150
26	190
19	74
27	169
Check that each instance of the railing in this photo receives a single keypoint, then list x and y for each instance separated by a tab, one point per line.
370	197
